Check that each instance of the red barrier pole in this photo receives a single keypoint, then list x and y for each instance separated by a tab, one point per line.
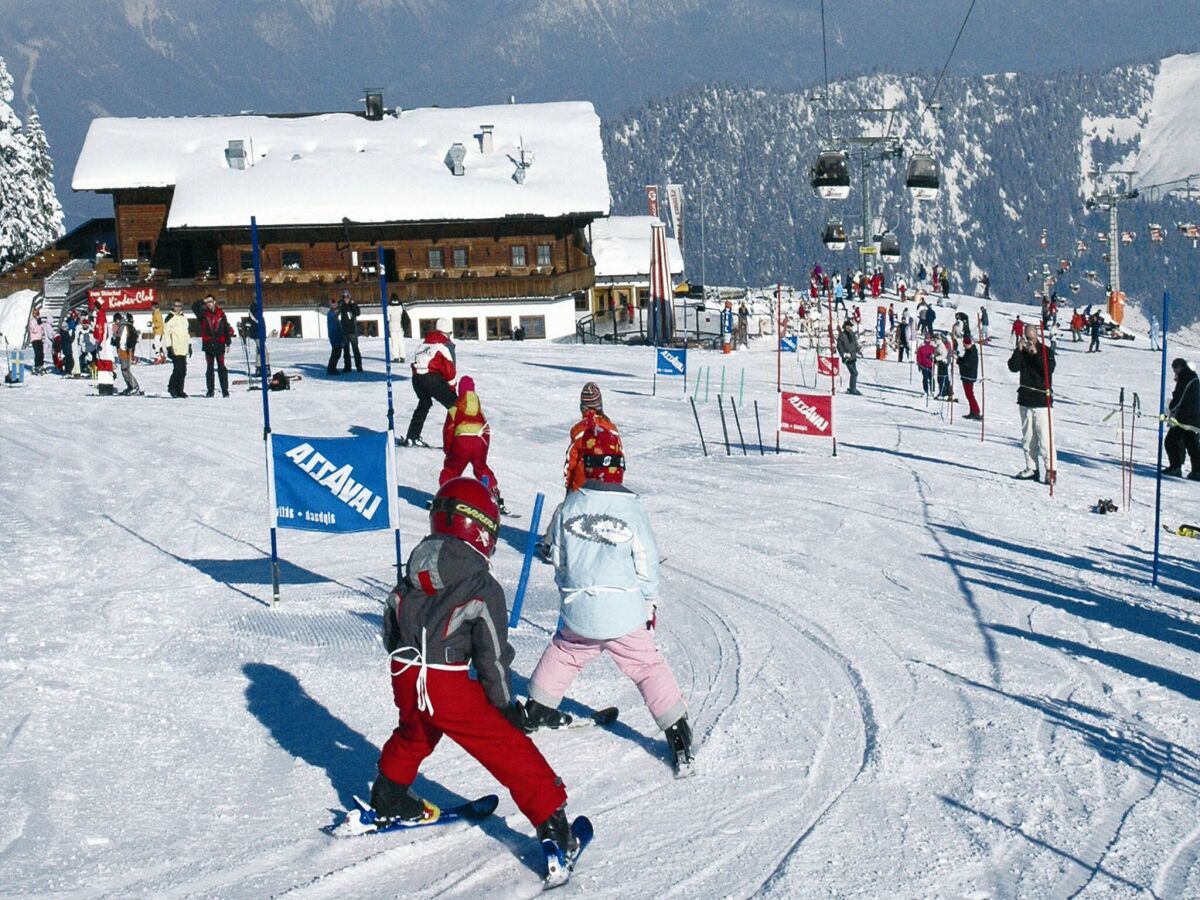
982	379
778	337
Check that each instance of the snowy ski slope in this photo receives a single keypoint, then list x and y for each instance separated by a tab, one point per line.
909	674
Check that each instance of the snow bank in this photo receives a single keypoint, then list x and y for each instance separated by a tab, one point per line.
323	168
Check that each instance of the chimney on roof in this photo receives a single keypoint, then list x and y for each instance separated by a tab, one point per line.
485	138
454	159
235	155
374	101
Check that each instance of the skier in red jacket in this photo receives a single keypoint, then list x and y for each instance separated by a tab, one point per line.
216	334
433	378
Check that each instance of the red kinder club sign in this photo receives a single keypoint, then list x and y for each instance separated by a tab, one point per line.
118	299
828	365
810	414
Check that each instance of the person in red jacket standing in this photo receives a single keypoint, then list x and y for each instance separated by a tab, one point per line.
215	335
433	378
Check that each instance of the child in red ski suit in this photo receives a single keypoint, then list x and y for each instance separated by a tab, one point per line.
466	439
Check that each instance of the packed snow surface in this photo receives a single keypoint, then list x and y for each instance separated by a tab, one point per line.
909	674
390	170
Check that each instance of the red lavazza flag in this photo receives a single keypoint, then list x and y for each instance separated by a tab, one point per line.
810	414
828	365
652	199
119	299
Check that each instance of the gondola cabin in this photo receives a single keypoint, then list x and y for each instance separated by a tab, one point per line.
1156	233
924	177
831	175
834	237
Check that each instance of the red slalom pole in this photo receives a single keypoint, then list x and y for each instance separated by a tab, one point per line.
982	379
778	337
832	353
1052	475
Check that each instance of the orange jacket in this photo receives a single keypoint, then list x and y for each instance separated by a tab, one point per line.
465	417
573	467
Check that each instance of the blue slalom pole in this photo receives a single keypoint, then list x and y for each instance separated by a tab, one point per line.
530	542
1162	411
266	403
391	407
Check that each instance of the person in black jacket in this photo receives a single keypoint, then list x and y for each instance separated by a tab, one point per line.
348	318
1182	438
968	371
1033	401
447	616
848	349
1095	327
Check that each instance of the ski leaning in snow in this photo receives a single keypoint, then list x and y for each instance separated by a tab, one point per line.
362	820
601	718
560	865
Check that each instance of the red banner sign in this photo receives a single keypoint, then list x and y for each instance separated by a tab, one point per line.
810	414
828	365
120	299
652	199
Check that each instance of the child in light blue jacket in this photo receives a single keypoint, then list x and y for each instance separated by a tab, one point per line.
606	568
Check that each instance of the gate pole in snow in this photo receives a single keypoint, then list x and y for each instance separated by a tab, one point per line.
724	427
1052	474
530	543
654	377
778	339
982	378
1162	410
1135	411
699	431
1123	467
758	425
267	443
738	421
391	411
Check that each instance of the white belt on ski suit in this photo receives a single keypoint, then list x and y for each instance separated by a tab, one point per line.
424	704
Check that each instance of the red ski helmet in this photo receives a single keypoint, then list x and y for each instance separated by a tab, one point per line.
603	455
465	509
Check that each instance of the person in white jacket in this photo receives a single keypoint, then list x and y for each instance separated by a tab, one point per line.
606	568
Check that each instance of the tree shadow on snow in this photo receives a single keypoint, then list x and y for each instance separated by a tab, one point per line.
307	730
1119	741
1139	564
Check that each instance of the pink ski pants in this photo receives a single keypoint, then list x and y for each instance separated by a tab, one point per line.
635	654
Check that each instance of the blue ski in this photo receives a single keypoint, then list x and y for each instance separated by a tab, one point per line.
362	820
559	865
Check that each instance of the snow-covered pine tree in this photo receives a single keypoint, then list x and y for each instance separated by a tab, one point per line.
47	220
18	196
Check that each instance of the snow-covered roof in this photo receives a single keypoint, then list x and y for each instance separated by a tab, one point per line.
621	248
322	168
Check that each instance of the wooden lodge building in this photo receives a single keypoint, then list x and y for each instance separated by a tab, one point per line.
477	213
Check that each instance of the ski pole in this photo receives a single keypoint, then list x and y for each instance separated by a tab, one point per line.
1137	411
722	390
724	427
530	543
707	382
699	431
758	426
737	421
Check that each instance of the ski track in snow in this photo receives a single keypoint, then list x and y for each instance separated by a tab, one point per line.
908	674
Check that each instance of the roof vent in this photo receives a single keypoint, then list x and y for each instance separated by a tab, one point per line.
374	101
485	138
454	158
235	155
522	162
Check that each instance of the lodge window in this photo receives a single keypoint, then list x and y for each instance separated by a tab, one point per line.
368	261
368	327
499	328
518	256
460	257
247	260
293	259
426	326
436	259
145	249
543	255
643	299
466	329
581	301
533	326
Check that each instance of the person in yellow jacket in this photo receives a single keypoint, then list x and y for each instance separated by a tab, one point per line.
466	438
179	347
156	331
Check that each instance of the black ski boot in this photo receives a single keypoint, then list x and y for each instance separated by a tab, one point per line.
538	716
679	740
558	829
394	802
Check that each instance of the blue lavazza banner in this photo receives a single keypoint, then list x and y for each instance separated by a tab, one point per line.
331	484
788	343
672	362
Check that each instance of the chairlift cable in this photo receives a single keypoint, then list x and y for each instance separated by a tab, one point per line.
937	85
825	61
